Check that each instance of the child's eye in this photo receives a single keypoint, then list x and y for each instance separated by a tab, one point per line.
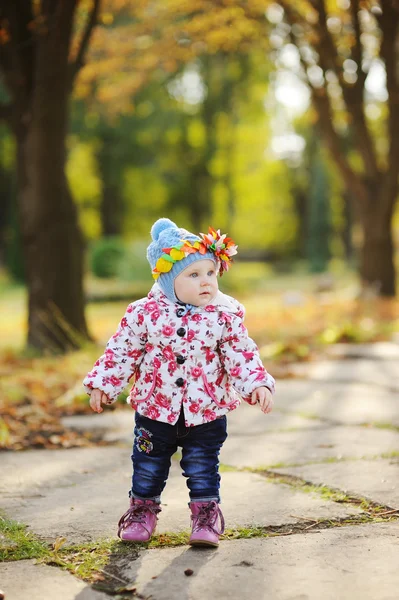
194	275
211	273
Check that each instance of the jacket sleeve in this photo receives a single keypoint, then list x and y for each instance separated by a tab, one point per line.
123	354
240	358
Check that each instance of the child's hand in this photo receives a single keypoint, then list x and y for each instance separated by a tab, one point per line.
97	397
265	398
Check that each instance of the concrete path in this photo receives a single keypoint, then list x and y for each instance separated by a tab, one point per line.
338	428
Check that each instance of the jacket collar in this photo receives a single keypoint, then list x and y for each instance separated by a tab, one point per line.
221	301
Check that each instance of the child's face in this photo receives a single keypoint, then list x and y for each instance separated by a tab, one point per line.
197	284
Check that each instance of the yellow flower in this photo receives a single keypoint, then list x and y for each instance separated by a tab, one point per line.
176	254
163	266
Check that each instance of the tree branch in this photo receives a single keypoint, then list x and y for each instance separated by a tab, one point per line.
80	56
352	93
389	24
322	104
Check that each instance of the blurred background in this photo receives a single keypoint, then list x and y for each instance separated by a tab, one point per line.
277	122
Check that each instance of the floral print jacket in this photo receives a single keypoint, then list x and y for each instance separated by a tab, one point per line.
200	359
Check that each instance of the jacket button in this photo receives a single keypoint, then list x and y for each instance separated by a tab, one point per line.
180	312
181	331
180	359
179	382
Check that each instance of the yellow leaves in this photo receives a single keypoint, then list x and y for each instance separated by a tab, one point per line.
59	542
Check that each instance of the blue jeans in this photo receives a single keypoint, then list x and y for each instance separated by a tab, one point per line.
156	442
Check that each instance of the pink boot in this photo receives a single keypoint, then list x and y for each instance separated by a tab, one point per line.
139	521
204	516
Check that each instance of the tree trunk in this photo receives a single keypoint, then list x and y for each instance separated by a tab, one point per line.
50	234
377	269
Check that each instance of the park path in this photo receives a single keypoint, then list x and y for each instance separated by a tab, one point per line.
320	475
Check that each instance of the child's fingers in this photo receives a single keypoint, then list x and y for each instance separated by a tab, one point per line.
95	401
105	399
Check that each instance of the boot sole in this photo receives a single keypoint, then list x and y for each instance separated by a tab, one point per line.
203	543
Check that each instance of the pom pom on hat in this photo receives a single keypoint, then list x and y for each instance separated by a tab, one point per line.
160	226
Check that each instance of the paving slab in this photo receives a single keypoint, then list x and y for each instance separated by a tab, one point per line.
312	445
377	480
86	501
382	373
341	402
344	563
25	580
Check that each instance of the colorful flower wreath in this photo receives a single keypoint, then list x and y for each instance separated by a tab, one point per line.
222	246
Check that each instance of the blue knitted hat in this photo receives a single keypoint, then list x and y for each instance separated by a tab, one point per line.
166	234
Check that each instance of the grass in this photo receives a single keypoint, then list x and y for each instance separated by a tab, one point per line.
16	543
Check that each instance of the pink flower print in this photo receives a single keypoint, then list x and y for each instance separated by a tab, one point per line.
259	372
149	347
157	363
155	316
172	366
113	380
196	372
194	407
168	330
209	415
109	364
129	309
148	377
235	371
210	308
97	363
209	355
190	335
240	314
248	356
196	318
168	353
150	306
152	412
134	353
171	418
140	318
162	400
124	322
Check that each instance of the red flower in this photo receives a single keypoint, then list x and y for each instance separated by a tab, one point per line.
140	318
155	316
162	400
134	353
168	353
171	418
124	322
190	335
157	363
115	381
152	412
196	318
172	366
149	347
209	415
194	407
168	330
150	306
196	372
235	371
